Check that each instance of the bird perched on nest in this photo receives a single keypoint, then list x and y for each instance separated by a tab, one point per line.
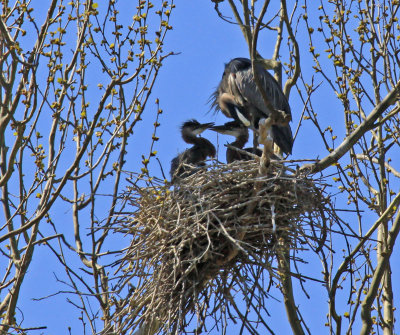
241	133
237	96
197	154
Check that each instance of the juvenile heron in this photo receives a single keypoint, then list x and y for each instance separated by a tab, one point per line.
241	133
197	154
238	97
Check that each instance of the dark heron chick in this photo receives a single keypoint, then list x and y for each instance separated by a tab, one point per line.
241	133
197	154
237	96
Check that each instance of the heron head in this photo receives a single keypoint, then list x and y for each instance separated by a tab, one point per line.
195	127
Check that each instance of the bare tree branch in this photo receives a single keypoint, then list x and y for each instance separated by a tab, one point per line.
367	125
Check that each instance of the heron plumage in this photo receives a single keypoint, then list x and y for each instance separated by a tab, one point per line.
238	97
197	154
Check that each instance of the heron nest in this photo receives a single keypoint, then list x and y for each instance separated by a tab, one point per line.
215	231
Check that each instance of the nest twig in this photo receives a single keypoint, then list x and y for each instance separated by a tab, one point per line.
215	224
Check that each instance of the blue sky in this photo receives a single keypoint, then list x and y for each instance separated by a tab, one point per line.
184	85
204	43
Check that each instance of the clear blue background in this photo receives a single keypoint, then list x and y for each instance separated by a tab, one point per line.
185	83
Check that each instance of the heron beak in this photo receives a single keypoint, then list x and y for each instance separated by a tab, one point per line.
219	129
202	127
208	125
223	130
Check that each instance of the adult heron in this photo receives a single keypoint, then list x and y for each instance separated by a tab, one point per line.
197	154
241	134
237	96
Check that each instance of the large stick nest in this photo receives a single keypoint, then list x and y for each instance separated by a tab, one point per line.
195	239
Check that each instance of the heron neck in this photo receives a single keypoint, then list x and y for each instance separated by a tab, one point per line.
202	142
240	141
188	137
205	146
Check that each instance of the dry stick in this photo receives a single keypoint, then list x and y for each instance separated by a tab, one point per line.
149	328
200	184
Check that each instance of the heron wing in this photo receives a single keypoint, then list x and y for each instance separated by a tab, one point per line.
213	101
282	136
175	162
249	91
247	87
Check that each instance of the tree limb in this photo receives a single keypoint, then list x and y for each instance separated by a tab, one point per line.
352	139
376	280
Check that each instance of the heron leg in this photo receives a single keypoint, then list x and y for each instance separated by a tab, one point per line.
265	134
265	138
255	135
255	141
278	151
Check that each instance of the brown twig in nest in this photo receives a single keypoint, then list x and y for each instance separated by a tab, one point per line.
195	241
